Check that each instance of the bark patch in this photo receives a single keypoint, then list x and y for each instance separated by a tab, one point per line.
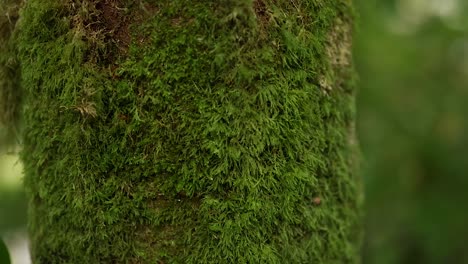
339	44
261	11
115	22
338	52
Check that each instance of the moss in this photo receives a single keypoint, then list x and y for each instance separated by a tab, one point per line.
10	92
200	133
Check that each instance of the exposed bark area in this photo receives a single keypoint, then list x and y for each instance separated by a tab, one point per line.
261	11
339	46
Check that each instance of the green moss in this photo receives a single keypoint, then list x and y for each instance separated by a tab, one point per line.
9	70
199	134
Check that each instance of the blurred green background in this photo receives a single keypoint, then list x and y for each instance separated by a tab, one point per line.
412	58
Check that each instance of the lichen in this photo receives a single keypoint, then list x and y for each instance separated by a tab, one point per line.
338	51
198	132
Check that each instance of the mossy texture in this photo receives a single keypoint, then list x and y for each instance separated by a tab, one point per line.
9	70
189	131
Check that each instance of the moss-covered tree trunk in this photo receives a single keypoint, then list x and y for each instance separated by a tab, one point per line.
189	131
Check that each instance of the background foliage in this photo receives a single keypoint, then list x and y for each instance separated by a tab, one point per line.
413	61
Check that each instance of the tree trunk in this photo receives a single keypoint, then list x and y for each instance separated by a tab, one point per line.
189	131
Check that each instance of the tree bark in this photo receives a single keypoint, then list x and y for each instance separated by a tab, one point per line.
189	131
